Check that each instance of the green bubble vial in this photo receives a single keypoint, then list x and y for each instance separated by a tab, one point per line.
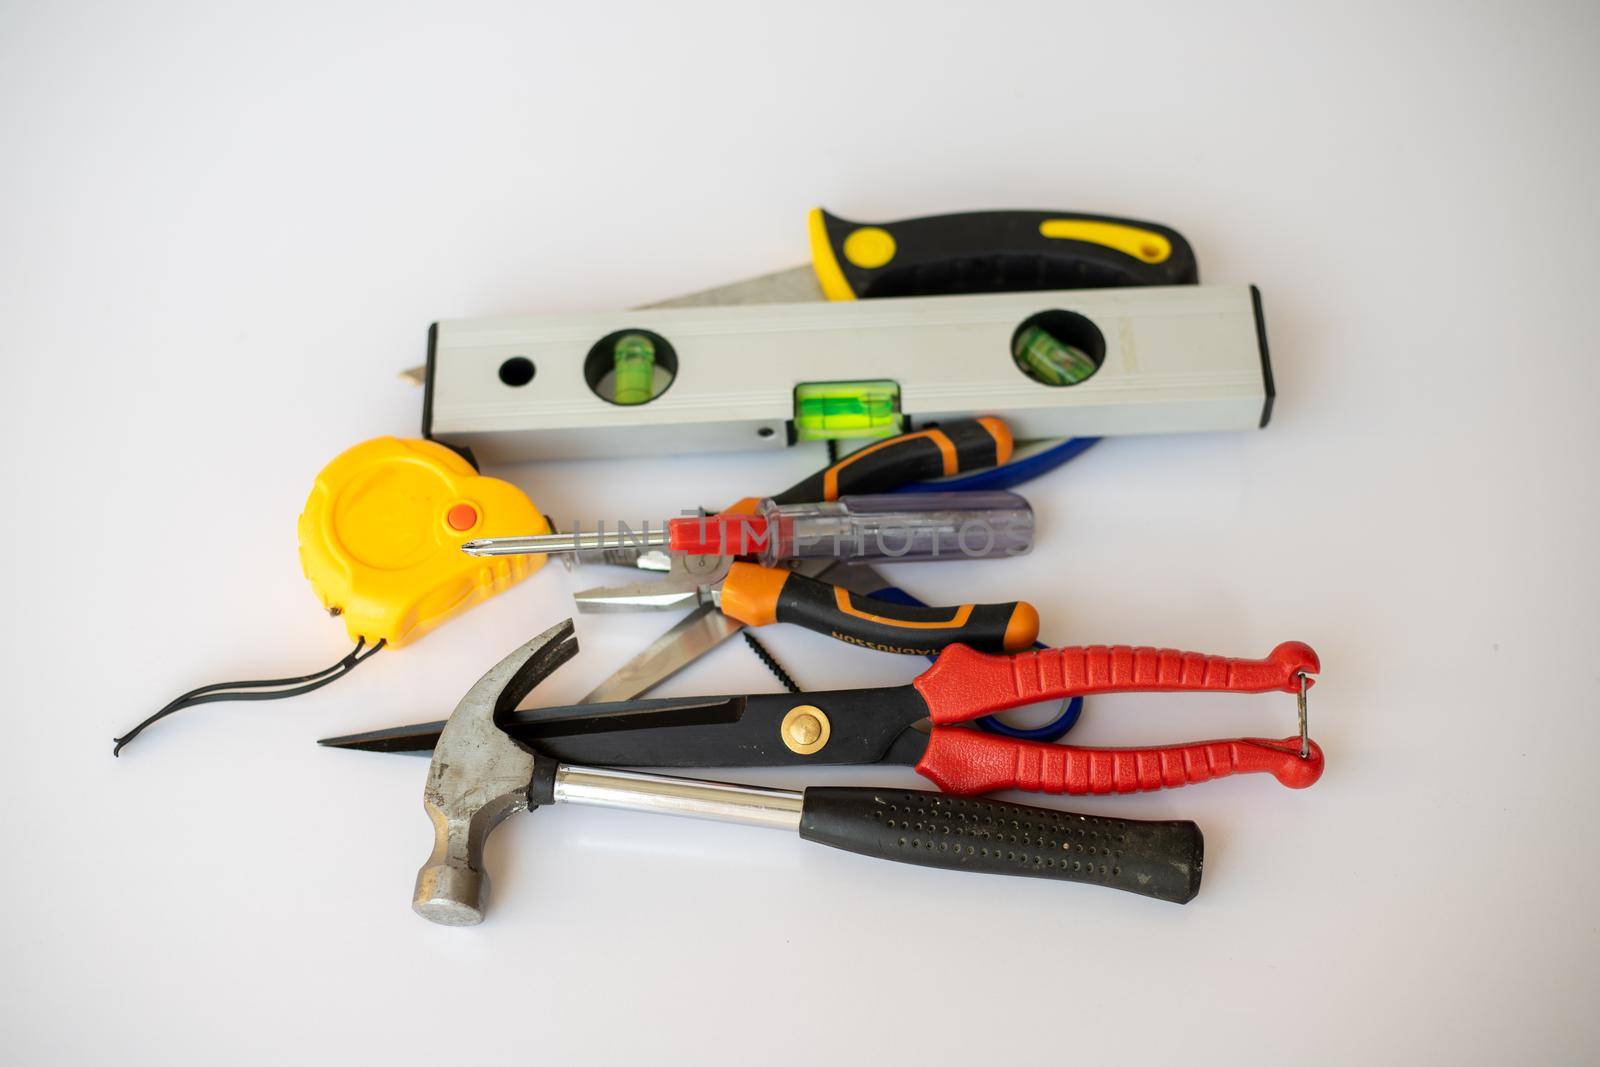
1045	359
634	369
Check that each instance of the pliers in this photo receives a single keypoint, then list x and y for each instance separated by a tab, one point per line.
918	724
756	596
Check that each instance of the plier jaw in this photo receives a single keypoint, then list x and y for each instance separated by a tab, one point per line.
689	581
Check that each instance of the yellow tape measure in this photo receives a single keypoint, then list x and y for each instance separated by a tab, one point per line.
381	535
380	539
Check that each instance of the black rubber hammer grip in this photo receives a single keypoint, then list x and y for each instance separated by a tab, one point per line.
1153	859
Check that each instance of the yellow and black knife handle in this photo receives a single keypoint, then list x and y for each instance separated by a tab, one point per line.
994	252
952	447
756	596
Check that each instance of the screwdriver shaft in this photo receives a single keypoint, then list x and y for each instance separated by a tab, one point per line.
562	543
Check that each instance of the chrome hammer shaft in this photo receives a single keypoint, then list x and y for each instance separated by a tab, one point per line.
720	801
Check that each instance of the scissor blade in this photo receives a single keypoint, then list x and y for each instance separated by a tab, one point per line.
417	738
535	723
691	637
863	725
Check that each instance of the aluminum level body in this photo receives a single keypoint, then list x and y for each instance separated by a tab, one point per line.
1179	359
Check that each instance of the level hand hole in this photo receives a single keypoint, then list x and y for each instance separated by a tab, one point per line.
517	371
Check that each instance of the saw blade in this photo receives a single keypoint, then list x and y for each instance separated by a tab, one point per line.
797	285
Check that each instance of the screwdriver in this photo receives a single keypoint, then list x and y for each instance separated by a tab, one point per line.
939	451
881	528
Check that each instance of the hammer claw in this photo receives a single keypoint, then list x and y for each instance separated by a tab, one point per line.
478	777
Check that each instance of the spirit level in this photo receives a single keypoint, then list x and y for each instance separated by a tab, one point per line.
1178	359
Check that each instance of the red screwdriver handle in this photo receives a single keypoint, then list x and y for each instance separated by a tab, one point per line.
964	684
968	762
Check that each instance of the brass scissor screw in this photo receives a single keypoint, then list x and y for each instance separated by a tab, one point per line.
805	729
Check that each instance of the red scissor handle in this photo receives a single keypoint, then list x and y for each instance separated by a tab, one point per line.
968	762
963	684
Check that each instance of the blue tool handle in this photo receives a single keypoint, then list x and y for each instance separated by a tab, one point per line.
1050	731
1007	475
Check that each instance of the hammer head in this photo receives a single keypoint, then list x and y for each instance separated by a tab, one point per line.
480	775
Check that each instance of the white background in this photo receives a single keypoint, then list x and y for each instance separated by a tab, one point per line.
224	228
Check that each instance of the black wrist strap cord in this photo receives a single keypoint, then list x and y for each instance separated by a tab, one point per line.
271	689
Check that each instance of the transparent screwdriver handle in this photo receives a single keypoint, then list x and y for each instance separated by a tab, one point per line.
890	528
